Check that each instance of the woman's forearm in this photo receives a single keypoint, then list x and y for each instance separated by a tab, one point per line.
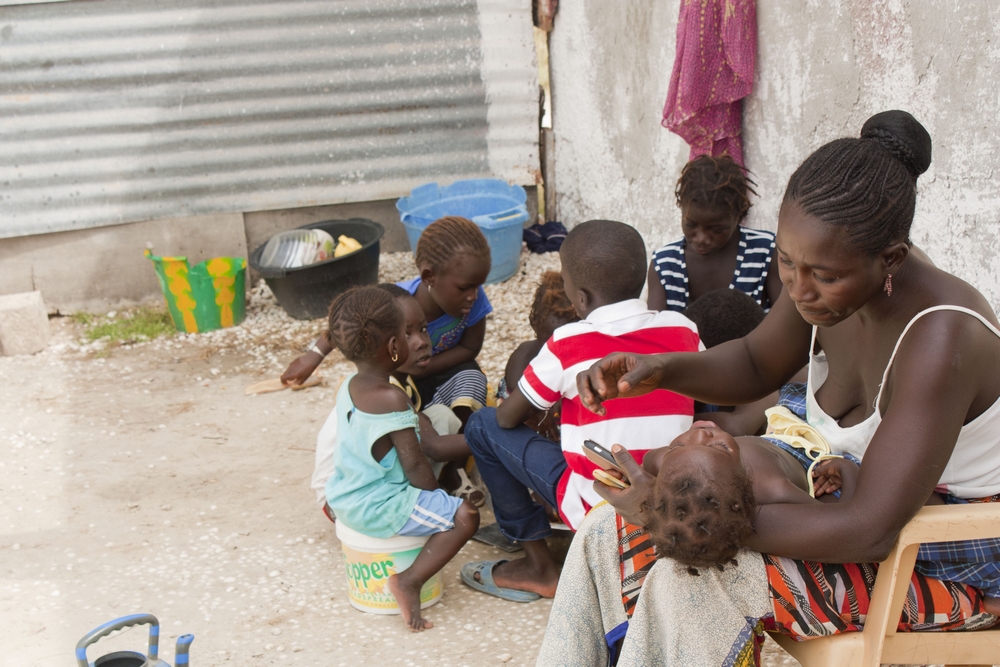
723	375
828	533
747	369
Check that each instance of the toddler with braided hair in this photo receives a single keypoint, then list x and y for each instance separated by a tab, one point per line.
383	485
453	258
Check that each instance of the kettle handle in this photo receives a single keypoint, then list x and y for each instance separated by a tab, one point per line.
119	624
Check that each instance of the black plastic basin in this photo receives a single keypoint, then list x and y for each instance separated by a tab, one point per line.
305	293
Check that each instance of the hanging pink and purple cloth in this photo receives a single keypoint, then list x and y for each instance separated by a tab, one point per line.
713	72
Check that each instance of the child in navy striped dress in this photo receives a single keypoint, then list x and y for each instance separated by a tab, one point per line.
716	251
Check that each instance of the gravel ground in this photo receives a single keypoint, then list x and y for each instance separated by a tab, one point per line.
139	478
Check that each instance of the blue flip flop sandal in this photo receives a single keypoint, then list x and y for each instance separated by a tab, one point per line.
485	583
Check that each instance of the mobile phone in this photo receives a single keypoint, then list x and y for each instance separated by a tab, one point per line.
600	456
608	480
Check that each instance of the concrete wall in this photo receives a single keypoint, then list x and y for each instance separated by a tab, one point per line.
103	268
822	69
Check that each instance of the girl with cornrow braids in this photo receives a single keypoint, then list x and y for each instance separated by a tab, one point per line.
903	365
383	485
453	258
438	424
717	252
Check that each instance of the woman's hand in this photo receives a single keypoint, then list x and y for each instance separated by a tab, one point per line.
633	503
619	374
299	370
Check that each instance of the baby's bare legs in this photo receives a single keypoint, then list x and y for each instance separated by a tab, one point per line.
440	549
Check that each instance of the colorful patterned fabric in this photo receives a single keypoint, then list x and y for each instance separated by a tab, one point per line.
713	71
636	556
752	263
446	331
822	599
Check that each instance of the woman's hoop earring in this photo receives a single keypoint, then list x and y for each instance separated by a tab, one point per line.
395	356
888	285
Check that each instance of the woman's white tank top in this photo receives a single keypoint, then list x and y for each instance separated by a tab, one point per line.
974	468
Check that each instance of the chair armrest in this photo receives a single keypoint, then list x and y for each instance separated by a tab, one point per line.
949	523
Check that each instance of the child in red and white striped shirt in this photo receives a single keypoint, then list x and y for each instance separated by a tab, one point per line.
603	270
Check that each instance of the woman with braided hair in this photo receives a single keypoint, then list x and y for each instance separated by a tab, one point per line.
903	373
383	485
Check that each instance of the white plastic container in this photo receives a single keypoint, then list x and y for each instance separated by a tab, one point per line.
370	562
298	247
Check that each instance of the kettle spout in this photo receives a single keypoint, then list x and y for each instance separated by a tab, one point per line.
181	653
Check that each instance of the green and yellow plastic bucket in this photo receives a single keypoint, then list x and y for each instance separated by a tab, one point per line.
370	561
203	297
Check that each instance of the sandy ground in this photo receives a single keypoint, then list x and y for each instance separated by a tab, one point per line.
142	479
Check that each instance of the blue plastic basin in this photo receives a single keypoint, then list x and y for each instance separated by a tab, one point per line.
497	207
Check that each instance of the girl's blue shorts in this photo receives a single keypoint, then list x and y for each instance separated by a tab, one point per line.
433	513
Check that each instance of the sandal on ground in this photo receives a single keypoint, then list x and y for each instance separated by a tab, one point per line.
467	490
485	583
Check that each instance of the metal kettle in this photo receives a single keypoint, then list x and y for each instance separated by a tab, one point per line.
132	658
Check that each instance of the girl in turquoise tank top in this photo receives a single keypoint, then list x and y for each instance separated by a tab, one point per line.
383	484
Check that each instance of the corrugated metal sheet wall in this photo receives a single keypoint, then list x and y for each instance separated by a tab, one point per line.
122	110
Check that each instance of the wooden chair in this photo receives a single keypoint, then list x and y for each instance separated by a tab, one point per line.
879	643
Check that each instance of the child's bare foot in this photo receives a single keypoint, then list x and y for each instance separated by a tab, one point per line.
992	606
522	575
407	596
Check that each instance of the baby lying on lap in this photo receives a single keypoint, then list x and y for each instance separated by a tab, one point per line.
709	484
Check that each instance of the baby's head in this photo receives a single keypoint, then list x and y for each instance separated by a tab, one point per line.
417	339
551	308
453	258
366	325
703	507
723	315
603	262
713	195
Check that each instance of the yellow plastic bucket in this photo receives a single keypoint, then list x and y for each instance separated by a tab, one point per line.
370	562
